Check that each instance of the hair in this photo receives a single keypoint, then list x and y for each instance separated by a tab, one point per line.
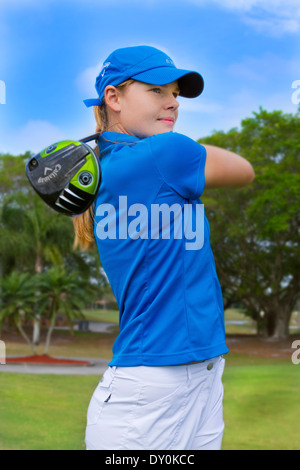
84	223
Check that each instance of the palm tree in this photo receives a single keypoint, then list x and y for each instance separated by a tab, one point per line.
35	235
17	301
61	292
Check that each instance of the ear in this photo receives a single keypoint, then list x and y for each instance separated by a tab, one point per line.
111	95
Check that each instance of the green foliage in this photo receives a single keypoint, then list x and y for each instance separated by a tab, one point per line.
34	238
255	229
17	301
60	292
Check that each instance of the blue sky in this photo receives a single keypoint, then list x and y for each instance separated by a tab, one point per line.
248	52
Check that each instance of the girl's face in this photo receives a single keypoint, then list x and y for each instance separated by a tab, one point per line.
145	110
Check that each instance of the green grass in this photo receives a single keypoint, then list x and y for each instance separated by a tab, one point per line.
40	412
99	314
261	403
261	407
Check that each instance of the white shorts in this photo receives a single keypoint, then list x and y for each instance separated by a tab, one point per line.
173	407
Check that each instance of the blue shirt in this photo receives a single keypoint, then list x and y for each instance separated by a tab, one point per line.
153	241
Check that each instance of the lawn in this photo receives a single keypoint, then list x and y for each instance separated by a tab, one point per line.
261	408
100	314
261	404
39	412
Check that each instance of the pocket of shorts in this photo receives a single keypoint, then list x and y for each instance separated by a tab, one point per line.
155	395
100	398
157	412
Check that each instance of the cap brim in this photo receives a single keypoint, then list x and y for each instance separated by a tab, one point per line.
191	84
92	102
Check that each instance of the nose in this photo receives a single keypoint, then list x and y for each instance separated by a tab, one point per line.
172	103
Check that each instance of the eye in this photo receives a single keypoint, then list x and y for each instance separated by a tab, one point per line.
156	90
175	95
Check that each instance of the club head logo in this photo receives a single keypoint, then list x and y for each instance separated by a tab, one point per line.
49	173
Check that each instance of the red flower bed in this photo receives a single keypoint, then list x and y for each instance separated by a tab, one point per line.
45	359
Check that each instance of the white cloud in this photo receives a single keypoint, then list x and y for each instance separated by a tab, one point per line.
273	18
284	6
264	68
18	2
198	106
86	80
274	27
269	17
243	103
35	135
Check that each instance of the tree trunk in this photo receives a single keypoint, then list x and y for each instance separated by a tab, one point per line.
36	329
49	334
51	326
281	330
19	326
277	322
37	317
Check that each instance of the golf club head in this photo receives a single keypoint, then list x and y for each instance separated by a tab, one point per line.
66	175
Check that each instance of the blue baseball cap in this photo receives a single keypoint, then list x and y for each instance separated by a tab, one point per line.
145	64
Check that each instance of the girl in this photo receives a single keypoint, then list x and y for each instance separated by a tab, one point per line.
163	388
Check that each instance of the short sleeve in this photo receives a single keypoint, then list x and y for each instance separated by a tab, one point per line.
181	162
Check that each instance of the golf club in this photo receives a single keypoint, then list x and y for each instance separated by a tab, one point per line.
66	175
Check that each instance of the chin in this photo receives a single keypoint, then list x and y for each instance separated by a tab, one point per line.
164	131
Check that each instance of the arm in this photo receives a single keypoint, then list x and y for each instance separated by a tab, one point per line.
226	169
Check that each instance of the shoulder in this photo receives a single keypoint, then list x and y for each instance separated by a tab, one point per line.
175	144
170	138
180	161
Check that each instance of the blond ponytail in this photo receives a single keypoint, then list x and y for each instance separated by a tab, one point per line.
84	223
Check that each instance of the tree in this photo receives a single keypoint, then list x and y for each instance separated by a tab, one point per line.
17	301
39	235
34	238
255	230
60	292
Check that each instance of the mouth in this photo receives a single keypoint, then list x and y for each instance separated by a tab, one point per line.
168	120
